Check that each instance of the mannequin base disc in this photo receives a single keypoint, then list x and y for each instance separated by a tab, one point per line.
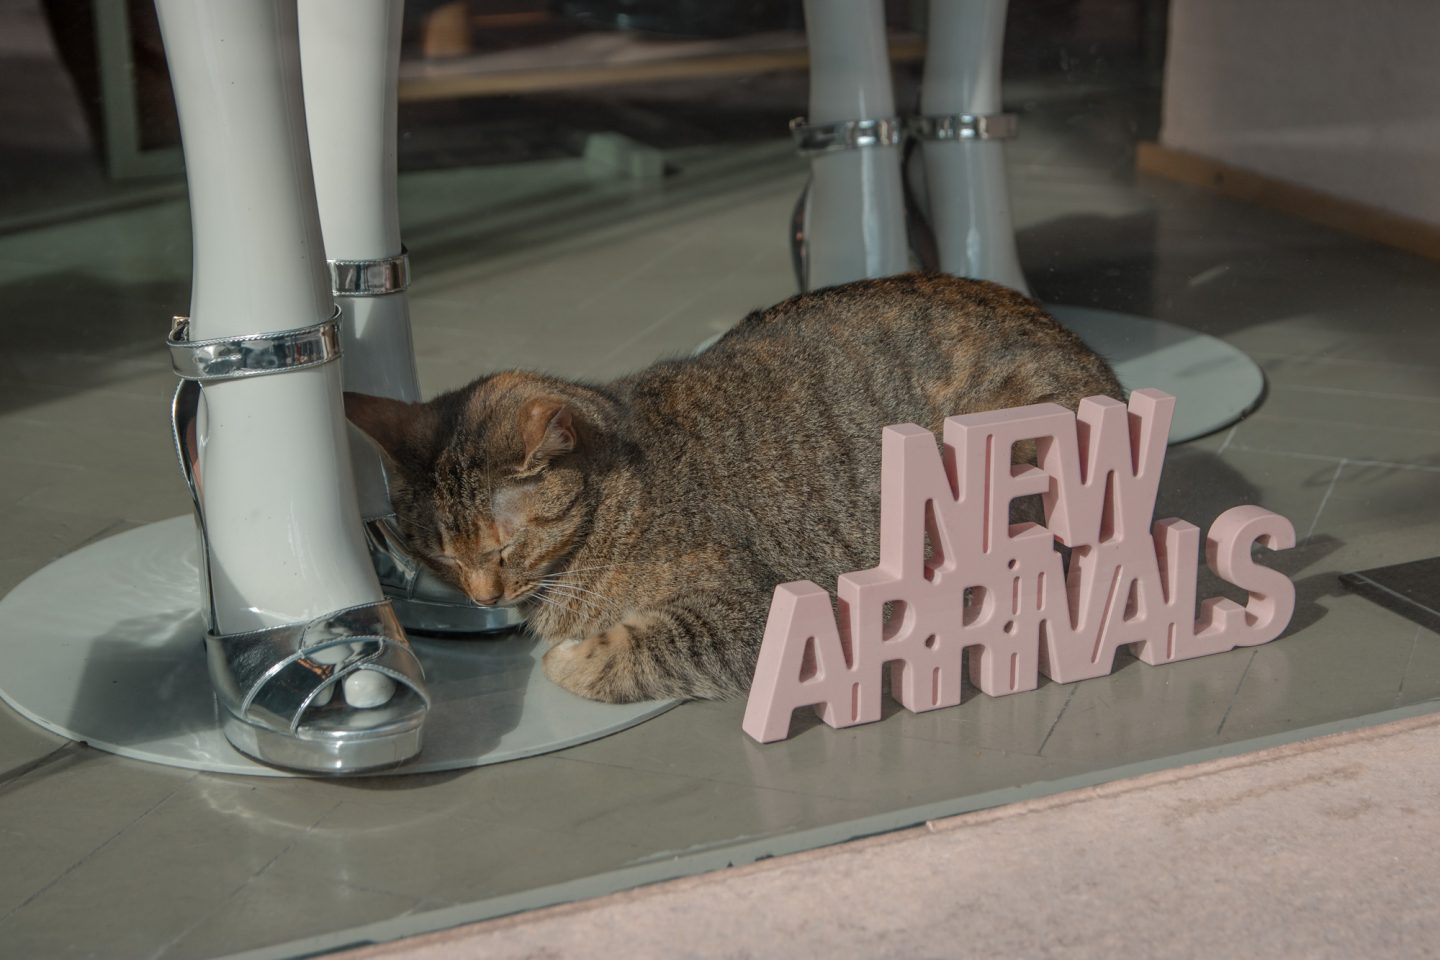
105	645
1213	383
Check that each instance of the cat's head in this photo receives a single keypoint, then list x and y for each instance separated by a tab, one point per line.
489	483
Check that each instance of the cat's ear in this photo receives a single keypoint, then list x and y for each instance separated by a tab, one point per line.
547	430
404	431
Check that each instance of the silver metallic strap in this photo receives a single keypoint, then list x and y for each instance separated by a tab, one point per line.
845	135
963	126
253	355
271	677
370	278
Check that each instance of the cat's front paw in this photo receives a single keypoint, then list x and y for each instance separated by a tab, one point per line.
595	667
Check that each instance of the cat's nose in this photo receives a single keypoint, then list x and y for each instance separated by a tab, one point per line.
484	589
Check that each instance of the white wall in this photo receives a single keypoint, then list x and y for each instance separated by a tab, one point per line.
1342	96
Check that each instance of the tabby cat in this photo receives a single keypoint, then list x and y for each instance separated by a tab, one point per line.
644	523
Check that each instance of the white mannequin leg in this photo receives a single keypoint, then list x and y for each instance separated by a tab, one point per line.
969	197
278	495
855	225
350	57
351	62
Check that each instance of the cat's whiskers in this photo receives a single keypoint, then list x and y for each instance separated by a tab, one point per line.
562	613
577	591
537	595
572	571
588	605
596	602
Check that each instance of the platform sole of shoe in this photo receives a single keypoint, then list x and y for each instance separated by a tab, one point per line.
322	754
453	620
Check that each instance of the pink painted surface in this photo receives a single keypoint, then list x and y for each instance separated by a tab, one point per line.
958	582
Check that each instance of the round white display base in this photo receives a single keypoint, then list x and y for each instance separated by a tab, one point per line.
1213	383
105	646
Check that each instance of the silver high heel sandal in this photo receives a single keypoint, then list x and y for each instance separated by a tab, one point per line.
824	138
423	602
912	132
276	687
940	128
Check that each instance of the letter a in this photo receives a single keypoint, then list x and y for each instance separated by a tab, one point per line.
802	663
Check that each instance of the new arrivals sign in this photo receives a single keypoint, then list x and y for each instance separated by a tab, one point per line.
957	580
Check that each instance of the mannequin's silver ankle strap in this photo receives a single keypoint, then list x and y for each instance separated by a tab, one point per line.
963	126
370	278
845	135
252	355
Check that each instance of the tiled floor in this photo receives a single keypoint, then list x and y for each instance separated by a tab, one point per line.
546	266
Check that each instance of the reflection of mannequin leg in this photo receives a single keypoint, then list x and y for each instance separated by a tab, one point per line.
855	225
963	131
351	61
283	538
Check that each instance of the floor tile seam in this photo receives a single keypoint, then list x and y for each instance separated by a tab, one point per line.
95	851
748	784
1263	416
25	380
1261	354
66	422
1349	392
309	871
1315	521
1229	438
1332	458
349	884
696	202
668	318
139	432
620	281
491	822
709	195
1056	722
990	748
223	902
60	391
415	899
16	774
1235	696
477	819
36	499
1405	673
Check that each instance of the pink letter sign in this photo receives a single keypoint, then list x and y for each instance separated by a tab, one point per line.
956	577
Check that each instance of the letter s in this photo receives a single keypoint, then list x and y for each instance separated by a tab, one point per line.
1227	553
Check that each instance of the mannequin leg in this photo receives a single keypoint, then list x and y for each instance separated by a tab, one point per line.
350	56
855	222
258	266
269	457
963	132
